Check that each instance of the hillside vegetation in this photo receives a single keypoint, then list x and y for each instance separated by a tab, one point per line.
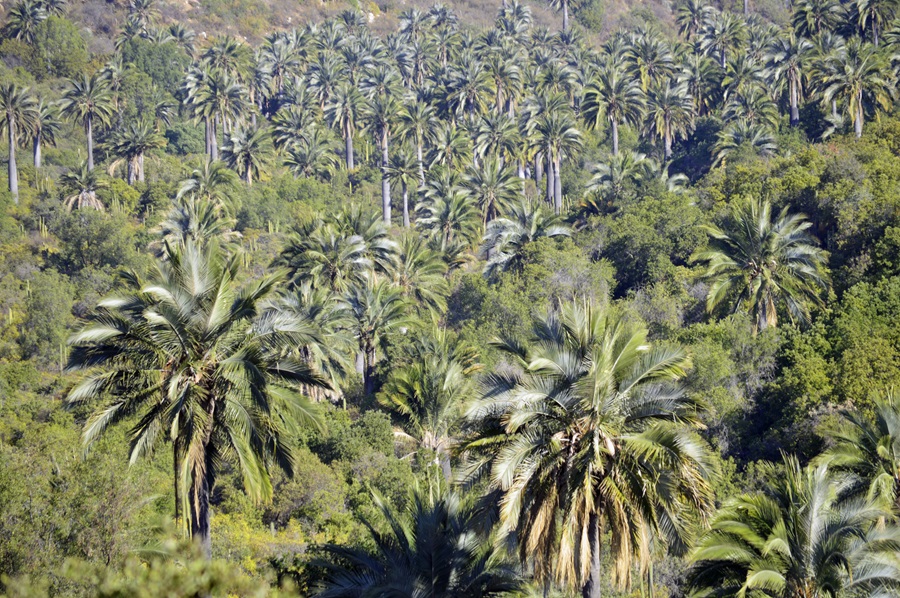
584	298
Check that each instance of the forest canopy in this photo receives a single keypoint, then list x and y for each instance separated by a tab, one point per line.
568	298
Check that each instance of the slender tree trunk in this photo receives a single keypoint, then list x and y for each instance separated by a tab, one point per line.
249	177
130	171
405	205
421	163
722	59
550	185
875	32
795	105
668	142
214	139
746	8
538	168
858	121
38	139
369	370
141	168
385	182
200	514
615	138
13	170
565	11
177	470
445	466
89	130
349	148
591	588
557	185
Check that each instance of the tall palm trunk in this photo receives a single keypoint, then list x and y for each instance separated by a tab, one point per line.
348	144
214	139
405	205
89	130
13	171
385	182
858	117
538	168
38	139
421	163
550	177
200	512
140	168
557	184
795	107
668	143
369	369
129	167
591	588
565	11
615	138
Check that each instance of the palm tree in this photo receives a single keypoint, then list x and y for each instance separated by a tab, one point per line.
797	539
450	147
869	450
760	264
504	242
404	170
691	16
44	129
786	62
321	255
429	393
18	111
874	15
671	113
857	76
613	97
724	33
563	7
312	155
743	133
343	110
246	151
559	138
219	99
578	439
23	20
87	101
611	179
416	125
82	186
452	217
812	17
493	188
379	246
377	311
700	75
432	550
132	143
195	220
420	273
197	359
213	182
382	114
752	108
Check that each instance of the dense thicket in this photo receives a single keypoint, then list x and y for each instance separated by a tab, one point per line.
455	310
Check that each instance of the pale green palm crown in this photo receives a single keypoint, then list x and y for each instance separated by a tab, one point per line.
612	97
89	101
18	114
246	150
199	362
505	239
858	78
588	432
797	539
762	264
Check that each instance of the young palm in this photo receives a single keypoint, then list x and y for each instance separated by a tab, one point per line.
325	258
18	111
611	180
194	220
199	361
724	34
614	98
692	16
744	134
670	110
813	17
430	394
417	123
343	111
313	155
753	108
44	129
420	274
700	75
380	247
797	539
450	148
432	550
82	186
760	265
451	217
131	144
869	450
857	76
246	151
493	188
504	242
213	183
88	101
23	20
588	434
377	311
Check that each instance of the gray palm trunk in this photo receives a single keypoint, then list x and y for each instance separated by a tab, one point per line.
38	139
348	146
668	143
200	513
795	104
421	162
405	205
591	588
385	182
550	177
858	117
557	185
89	130
565	11
538	168
13	171
615	138
140	168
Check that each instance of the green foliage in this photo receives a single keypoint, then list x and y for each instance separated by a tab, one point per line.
165	64
59	50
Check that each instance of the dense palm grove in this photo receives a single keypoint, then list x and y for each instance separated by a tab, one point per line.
452	311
